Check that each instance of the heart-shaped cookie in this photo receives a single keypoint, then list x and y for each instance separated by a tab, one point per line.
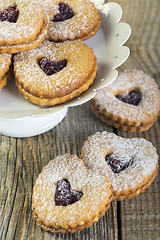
131	102
68	197
130	164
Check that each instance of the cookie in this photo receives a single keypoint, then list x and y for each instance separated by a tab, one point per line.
23	25
55	73
15	48
131	102
68	197
130	164
71	19
5	62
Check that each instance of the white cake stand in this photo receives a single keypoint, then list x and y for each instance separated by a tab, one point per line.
20	118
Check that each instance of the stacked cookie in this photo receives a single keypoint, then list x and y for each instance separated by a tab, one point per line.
23	25
71	20
68	197
54	73
71	194
56	70
131	102
130	164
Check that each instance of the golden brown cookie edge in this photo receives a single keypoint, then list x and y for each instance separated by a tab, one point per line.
5	70
119	123
83	36
4	80
78	227
91	33
66	98
28	38
138	189
27	46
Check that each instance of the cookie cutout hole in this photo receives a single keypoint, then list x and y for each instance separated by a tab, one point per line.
10	14
118	164
51	67
65	13
64	195
134	97
117	35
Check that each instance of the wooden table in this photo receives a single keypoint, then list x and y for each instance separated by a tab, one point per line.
21	160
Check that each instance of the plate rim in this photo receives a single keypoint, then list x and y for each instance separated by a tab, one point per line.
112	6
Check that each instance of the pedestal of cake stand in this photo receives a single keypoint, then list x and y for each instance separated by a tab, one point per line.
31	126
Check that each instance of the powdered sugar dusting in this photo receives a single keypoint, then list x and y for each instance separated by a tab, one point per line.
95	188
127	81
85	20
5	62
80	64
28	25
145	158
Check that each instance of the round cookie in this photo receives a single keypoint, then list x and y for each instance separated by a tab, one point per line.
130	164
68	197
55	73
5	62
131	102
15	48
21	24
71	19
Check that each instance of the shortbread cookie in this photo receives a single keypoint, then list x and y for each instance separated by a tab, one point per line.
5	62
15	48
71	19
21	23
131	102
54	73
130	164
68	197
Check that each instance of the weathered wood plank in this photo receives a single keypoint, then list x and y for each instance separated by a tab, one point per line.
23	159
21	162
140	216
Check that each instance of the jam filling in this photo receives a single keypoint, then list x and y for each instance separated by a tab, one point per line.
51	67
10	14
118	164
134	97
64	195
65	12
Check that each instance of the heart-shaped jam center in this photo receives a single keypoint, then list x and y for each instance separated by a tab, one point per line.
118	164
51	67
134	97
65	12
64	195
10	14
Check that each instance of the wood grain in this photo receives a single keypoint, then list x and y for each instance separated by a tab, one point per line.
140	216
21	160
